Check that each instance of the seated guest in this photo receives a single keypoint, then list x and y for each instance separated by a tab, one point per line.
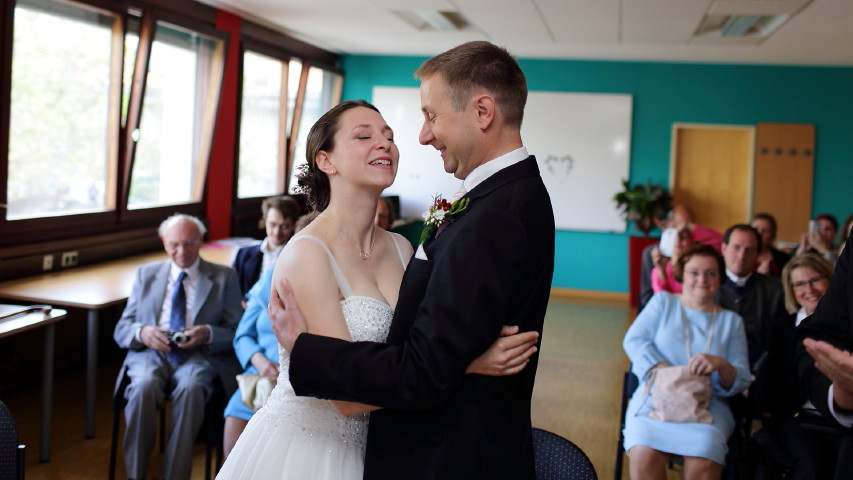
280	215
682	216
755	297
187	294
821	240
824	343
257	351
661	336
663	277
777	392
385	215
770	260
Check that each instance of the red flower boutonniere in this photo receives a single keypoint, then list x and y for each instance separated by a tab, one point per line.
440	215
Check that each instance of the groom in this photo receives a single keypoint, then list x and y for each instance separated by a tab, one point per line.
492	266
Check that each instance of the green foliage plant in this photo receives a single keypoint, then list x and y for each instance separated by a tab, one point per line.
642	204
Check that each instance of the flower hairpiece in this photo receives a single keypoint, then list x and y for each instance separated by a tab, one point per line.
440	215
303	174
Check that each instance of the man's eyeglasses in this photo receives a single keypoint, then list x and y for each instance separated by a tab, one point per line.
811	282
185	245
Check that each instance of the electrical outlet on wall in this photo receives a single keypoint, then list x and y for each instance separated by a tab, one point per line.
69	258
47	262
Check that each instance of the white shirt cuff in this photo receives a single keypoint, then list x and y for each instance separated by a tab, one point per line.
842	418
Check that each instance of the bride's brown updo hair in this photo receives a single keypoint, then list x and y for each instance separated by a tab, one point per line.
313	181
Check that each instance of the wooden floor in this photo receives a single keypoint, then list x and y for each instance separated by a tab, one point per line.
577	392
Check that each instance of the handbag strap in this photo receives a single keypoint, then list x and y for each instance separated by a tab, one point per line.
687	329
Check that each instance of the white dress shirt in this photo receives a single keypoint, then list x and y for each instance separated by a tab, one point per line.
270	255
190	282
486	170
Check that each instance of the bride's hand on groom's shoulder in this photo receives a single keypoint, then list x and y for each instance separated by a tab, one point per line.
285	316
508	355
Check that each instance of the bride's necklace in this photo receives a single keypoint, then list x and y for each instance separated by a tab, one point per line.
365	256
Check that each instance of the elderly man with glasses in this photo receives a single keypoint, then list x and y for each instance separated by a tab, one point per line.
181	316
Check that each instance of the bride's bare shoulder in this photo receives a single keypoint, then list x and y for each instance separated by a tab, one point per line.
303	252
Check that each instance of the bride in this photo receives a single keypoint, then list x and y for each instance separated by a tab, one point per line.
346	272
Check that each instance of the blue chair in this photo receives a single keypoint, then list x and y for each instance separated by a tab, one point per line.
629	384
559	459
11	454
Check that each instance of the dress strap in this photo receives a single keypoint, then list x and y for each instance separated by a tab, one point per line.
343	284
397	238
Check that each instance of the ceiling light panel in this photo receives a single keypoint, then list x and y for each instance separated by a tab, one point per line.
756	7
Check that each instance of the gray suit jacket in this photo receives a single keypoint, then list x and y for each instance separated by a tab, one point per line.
217	304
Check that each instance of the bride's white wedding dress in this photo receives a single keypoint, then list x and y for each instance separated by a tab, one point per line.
303	438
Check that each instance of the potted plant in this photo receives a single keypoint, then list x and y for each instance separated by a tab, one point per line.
642	204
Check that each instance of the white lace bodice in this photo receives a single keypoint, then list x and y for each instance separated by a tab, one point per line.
367	319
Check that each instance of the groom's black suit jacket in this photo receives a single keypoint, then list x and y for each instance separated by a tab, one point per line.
491	267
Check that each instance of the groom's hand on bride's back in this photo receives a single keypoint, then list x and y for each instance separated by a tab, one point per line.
286	317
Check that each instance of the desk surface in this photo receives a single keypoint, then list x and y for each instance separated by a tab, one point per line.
95	286
28	321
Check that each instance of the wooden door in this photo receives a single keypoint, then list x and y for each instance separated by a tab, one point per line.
712	173
784	171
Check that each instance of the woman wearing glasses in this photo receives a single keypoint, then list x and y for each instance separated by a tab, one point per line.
777	391
662	335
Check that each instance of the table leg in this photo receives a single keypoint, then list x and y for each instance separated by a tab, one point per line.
91	371
47	393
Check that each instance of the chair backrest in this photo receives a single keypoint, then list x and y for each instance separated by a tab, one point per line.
559	459
9	460
646	267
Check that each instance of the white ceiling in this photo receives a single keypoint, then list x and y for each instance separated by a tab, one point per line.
644	30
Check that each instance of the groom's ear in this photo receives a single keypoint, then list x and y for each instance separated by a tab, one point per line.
485	108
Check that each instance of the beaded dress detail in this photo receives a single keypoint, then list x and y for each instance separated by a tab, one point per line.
305	437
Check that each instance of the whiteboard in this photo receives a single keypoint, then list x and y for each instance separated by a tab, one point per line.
581	142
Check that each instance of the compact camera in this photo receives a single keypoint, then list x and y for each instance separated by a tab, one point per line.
177	337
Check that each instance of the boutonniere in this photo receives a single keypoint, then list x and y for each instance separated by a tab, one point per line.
440	215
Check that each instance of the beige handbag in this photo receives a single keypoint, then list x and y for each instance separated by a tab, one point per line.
255	389
678	395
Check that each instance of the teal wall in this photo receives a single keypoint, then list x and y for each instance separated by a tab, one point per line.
667	93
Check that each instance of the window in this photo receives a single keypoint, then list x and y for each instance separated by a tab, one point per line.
62	144
107	110
175	129
270	88
322	93
262	136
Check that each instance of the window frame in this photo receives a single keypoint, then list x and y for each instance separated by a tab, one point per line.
34	229
251	45
259	40
147	36
40	234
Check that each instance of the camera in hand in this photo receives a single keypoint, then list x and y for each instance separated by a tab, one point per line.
177	337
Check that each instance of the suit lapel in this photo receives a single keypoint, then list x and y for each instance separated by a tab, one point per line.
202	289
158	290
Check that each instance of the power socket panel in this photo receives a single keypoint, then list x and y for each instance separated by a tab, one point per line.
47	262
69	259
